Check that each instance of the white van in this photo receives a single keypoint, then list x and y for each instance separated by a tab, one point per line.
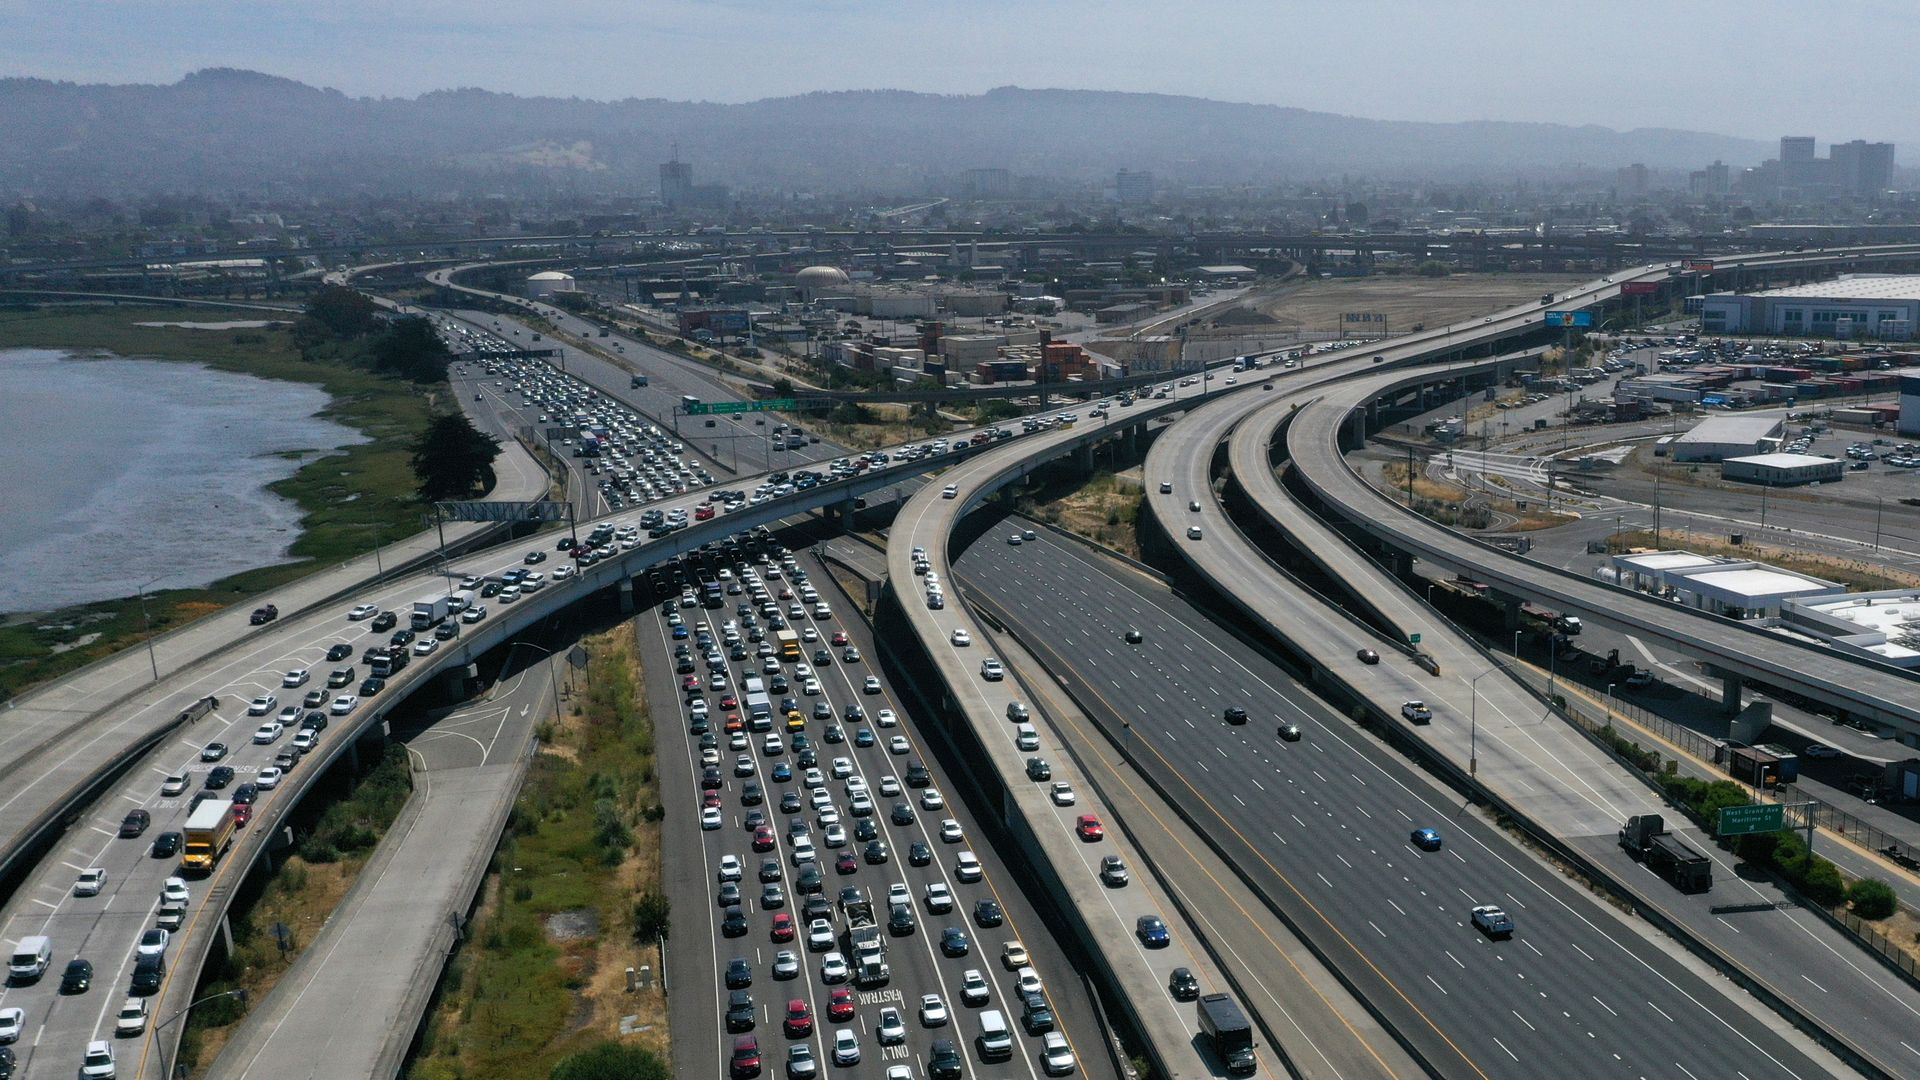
996	1041
30	959
1026	738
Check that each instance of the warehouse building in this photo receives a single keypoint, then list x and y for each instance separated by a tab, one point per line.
1782	470
1881	306
1721	437
1909	405
547	283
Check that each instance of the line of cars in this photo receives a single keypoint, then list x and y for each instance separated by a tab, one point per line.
743	744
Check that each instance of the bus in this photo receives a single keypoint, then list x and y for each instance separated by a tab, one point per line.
789	644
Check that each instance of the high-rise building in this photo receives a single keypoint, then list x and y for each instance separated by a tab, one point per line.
1133	187
1715	179
1862	168
988	183
676	182
1631	181
1795	148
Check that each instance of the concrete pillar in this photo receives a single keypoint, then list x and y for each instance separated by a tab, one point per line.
1402	564
626	596
353	756
1729	692
1085	457
846	513
1510	614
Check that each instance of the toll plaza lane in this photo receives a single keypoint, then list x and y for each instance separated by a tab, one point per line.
1333	817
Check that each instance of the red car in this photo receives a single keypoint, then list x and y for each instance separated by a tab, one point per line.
839	637
690	684
704	513
711	800
799	1022
242	813
729	702
746	1058
782	926
1089	828
840	1005
763	838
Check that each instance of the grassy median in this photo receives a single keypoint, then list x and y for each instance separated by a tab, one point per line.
350	499
543	974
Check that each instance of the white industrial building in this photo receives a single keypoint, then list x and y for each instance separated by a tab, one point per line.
1720	437
1883	625
1910	405
1882	306
1782	470
548	282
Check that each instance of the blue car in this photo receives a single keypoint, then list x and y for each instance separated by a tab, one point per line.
1152	931
1425	839
679	633
782	772
863	737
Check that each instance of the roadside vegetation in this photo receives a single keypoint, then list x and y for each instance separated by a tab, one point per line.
1459	507
388	383
1104	507
336	829
574	899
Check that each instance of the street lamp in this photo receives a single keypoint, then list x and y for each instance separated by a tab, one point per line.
146	628
1610	687
1473	722
553	681
1516	643
239	992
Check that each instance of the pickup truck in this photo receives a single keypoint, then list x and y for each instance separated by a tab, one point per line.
1416	712
264	614
1492	921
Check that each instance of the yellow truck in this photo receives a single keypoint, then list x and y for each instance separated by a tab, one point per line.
209	832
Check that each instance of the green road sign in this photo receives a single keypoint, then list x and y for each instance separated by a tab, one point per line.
1413	638
1751	818
705	408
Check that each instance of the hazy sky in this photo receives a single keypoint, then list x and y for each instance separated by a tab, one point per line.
1760	68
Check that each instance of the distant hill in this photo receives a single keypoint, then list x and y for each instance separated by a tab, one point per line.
224	130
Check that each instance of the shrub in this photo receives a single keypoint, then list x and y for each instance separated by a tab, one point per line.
1871	898
652	916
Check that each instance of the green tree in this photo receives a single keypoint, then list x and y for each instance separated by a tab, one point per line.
1871	898
346	313
452	458
652	917
411	349
611	1061
1432	268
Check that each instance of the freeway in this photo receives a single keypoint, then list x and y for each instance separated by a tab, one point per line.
857	755
1329	817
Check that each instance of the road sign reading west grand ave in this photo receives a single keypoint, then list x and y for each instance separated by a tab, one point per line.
707	408
1751	818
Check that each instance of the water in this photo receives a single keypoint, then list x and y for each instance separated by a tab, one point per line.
116	471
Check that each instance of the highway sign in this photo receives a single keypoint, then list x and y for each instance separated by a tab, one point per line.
1570	318
1751	818
709	408
1413	638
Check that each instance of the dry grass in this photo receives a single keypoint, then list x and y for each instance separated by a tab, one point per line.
1856	575
1318	304
1435	498
1106	510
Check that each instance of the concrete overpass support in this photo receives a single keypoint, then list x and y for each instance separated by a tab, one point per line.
1729	692
626	596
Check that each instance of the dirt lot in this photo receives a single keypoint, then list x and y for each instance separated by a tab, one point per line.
1314	307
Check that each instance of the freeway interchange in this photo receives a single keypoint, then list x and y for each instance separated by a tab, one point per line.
1315	859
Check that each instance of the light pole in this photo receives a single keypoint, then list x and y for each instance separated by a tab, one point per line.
1879	504
239	992
553	681
1516	643
1610	687
146	628
1473	722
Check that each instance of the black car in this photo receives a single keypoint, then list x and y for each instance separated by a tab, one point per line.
752	795
372	685
900	920
734	924
739	1012
821	658
1037	1015
1368	656
315	722
1183	985
78	978
383	622
245	794
1236	715
953	942
1038	769
7	1063
987	913
810	879
790	802
219	776
902	813
135	823
877	852
739	973
401	638
535	557
340	651
149	971
166	845
919	853
866	830
944	1062
917	774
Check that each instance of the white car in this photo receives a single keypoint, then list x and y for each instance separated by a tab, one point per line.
819	935
344	704
889	786
267	733
174	891
11	1023
891	1030
425	646
90	881
897	745
1029	981
1062	794
304	741
1056	1057
1013	955
833	969
97	1062
933	1011
846	1047
931	799
991	670
1193	532
811	688
173	785
362	611
729	868
870	686
710	818
966	867
296	677
289	716
939	898
474	614
973	988
132	1018
268	778
153	942
262	705
885	718
961	637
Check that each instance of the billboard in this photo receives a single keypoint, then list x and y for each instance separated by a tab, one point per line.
1639	288
1696	266
1363	317
1570	319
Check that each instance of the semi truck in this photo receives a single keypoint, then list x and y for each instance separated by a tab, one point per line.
427	613
209	832
866	944
1227	1029
1550	620
1646	838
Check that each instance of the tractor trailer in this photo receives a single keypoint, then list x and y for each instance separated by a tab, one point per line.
1646	838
